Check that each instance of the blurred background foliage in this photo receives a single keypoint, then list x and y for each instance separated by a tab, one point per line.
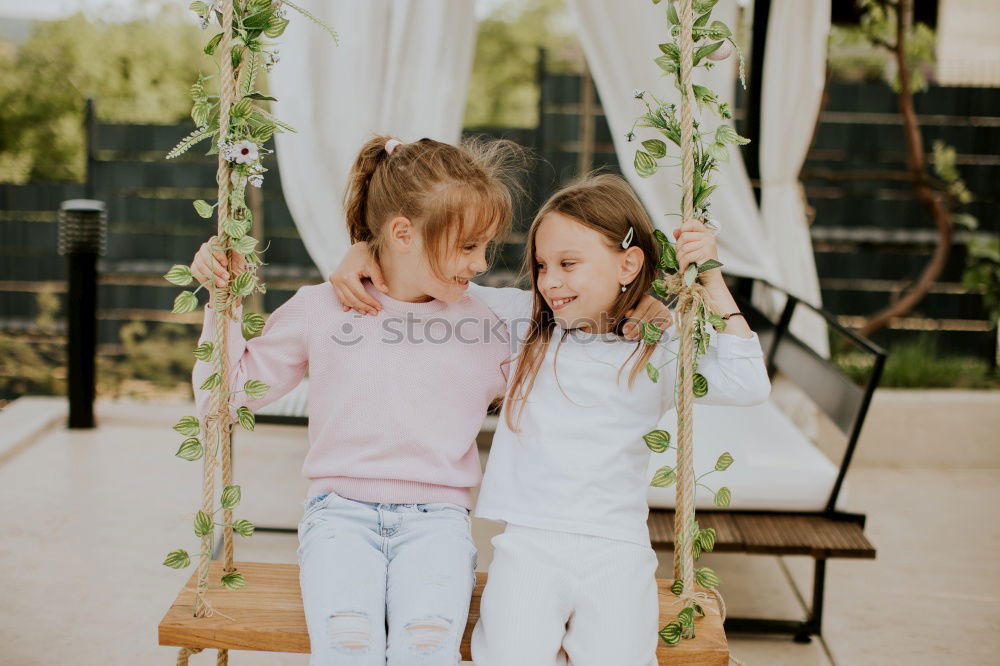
503	88
139	70
919	364
153	359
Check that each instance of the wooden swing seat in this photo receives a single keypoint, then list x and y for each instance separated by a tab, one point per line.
267	616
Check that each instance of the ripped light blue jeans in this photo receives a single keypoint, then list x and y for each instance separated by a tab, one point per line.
385	583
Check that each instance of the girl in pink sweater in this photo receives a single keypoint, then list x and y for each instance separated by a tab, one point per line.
395	403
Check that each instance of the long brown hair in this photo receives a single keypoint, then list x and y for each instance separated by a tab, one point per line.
451	193
606	204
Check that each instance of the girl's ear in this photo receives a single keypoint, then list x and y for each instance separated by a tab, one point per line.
631	263
401	233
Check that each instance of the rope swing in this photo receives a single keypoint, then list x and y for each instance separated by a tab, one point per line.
693	304
217	424
692	299
689	300
239	129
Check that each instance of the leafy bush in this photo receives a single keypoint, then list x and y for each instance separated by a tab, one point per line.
153	359
918	364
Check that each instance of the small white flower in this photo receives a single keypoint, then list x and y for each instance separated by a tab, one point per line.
713	226
256	180
638	93
207	18
244	152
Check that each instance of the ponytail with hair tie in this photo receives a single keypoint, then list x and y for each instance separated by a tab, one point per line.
391	145
358	185
441	188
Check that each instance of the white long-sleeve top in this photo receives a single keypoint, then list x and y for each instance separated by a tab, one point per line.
579	462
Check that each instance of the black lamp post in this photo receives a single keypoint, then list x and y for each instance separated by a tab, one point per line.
82	237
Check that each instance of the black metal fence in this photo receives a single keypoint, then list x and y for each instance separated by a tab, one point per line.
870	236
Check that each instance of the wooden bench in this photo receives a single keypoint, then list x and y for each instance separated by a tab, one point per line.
267	615
824	534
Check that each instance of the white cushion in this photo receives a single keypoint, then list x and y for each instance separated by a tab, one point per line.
775	466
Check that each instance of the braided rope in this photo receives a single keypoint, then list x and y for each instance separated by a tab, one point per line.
228	96
184	654
217	424
687	307
690	301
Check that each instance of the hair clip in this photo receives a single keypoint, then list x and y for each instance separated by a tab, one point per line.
391	145
628	238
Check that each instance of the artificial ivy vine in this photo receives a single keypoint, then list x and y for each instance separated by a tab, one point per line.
712	43
240	146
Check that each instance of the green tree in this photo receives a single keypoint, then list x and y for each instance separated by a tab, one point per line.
137	71
503	89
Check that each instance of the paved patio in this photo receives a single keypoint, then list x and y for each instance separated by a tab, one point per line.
89	515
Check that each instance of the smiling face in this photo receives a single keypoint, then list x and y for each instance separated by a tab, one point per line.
447	279
579	273
464	261
578	267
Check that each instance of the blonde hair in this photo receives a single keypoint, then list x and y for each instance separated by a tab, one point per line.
451	193
606	204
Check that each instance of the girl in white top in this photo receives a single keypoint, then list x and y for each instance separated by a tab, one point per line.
573	575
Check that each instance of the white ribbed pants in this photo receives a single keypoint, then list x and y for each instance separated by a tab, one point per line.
556	598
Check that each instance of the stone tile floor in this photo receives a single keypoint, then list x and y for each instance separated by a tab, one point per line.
88	516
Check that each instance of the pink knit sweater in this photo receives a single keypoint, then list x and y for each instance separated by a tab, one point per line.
395	400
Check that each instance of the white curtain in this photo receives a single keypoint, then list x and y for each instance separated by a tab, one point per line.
792	88
619	40
772	242
402	69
